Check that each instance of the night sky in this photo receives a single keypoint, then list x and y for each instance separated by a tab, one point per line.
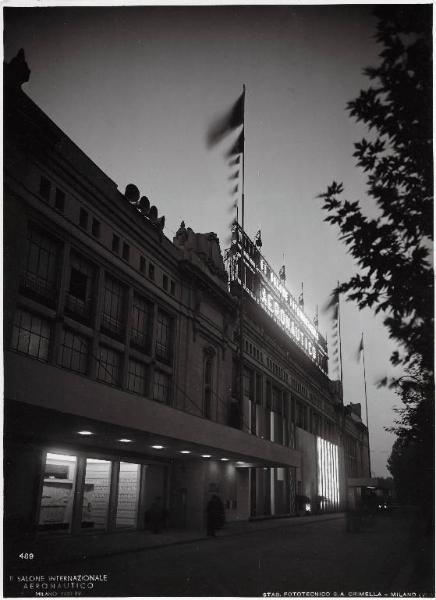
136	89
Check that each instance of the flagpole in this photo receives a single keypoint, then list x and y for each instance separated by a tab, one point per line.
241	314
243	161
366	404
340	343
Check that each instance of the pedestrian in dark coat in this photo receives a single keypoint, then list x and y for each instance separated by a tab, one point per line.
156	515
215	515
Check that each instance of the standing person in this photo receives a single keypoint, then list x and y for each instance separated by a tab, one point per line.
215	515
156	515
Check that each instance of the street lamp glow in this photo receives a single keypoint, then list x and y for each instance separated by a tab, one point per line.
157	447
84	432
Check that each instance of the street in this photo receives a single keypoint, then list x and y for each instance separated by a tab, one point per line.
316	557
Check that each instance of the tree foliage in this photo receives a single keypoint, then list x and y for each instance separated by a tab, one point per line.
412	459
393	249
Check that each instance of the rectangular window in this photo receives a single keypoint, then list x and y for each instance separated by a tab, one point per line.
128	494
126	251
95	228
115	244
78	302
31	335
108	367
136	377
74	352
151	271
161	387
96	494
163	337
44	188
248	384
259	386
60	200
40	269
56	510
113	306
165	282
173	288
83	218
141	318
276	404
142	264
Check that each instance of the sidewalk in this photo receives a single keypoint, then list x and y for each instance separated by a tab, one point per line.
46	550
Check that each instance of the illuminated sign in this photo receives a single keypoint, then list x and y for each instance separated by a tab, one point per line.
328	474
248	268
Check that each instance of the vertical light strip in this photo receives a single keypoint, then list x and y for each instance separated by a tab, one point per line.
331	475
323	469
336	478
321	475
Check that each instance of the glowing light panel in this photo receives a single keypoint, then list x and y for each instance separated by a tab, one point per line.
328	473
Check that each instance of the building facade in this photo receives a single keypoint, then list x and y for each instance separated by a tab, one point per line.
123	367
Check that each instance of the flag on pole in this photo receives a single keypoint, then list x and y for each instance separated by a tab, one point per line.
315	318
359	349
238	146
234	175
301	298
226	123
234	162
333	304
235	190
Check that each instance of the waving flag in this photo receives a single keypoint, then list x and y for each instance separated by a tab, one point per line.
227	123
359	349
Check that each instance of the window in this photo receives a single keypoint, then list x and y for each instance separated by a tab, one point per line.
31	335
315	423
301	415
56	510
60	200
83	218
141	313
108	368
248	384
208	384
276	404
78	302
142	264
163	337
44	188
115	243
40	270
126	251
258	388
161	387
136	377
95	228
165	282
113	306
96	494
151	271
74	351
173	289
128	494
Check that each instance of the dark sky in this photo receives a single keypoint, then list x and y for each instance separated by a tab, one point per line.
137	87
